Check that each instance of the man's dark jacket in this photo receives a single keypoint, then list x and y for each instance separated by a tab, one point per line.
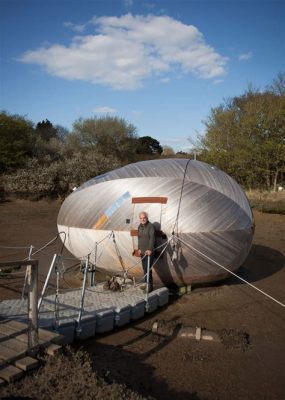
146	237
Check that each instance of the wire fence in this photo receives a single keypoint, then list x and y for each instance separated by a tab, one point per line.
62	269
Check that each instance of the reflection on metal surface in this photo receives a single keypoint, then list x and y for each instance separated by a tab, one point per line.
110	211
204	206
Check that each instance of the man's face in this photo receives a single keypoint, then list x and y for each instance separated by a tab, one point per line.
143	219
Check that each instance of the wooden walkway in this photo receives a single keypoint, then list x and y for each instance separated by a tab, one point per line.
62	320
26	325
16	357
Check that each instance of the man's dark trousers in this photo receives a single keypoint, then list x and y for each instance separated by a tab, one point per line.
144	264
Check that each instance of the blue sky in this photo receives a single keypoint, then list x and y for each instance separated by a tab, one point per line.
161	65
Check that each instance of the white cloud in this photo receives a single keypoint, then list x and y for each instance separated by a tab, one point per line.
126	50
77	28
245	56
105	110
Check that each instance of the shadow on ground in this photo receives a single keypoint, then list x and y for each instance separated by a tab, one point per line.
119	364
261	263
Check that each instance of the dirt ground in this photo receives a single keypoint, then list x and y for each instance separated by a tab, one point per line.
249	364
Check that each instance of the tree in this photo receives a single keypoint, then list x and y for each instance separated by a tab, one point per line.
168	151
181	153
61	132
50	142
106	136
46	130
148	145
245	137
278	86
17	140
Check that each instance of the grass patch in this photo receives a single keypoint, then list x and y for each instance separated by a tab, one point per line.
267	202
67	376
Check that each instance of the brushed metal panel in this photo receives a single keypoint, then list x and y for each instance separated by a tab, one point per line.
214	217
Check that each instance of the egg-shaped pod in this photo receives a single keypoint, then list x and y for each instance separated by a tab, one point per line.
202	218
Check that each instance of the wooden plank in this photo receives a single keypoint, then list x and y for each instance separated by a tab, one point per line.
14	341
48	336
24	338
8	354
13	324
27	363
11	328
45	338
139	200
12	349
11	373
15	345
53	349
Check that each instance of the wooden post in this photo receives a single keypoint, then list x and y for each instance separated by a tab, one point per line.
32	270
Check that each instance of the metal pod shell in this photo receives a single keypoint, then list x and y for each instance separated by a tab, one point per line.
204	207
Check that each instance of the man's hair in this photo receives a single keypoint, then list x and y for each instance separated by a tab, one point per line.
143	212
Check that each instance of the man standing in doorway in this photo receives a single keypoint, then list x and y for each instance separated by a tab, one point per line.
146	240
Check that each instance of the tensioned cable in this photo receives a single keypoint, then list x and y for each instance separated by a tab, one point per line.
49	254
82	258
158	247
226	269
118	252
108	236
63	242
45	245
38	250
99	292
68	258
180	198
166	244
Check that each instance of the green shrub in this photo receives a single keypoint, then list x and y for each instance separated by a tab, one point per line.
56	178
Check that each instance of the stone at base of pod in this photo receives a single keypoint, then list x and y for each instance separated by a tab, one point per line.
195	333
184	290
199	334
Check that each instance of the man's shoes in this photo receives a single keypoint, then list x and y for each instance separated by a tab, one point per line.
143	287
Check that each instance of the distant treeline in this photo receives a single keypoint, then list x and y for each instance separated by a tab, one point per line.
245	137
48	161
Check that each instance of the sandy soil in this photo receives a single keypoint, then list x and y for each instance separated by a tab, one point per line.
249	365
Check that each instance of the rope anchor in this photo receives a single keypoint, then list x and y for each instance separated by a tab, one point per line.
231	272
